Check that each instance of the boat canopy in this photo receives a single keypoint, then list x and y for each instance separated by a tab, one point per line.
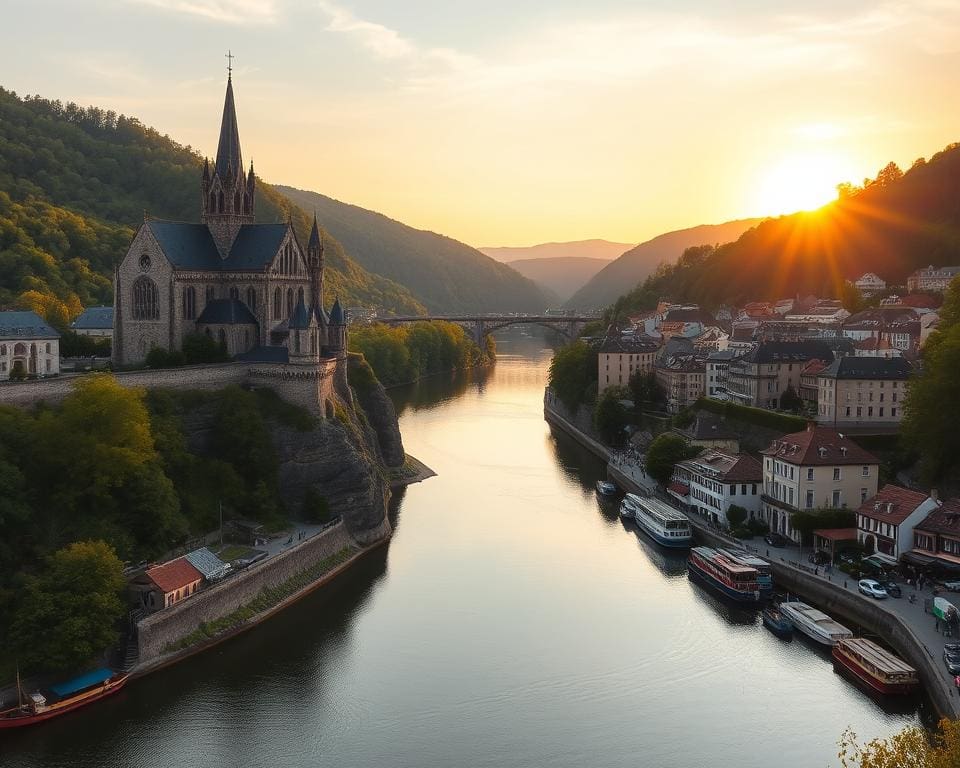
82	682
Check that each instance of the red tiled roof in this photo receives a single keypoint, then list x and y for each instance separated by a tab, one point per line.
903	501
746	470
804	449
813	367
174	575
837	534
945	520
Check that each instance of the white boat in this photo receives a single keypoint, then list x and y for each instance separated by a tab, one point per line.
815	624
664	524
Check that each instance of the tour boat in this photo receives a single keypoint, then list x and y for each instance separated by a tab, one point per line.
65	697
738	582
661	522
814	624
871	664
776	622
764	571
606	488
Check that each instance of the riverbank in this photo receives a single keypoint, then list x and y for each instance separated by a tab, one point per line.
836	593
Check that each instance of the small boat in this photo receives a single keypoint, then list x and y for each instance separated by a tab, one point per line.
776	622
877	668
63	697
815	624
764	571
730	579
606	488
661	522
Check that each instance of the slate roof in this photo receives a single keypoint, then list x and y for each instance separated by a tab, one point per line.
788	352
707	426
300	317
803	448
730	468
903	502
336	314
94	318
868	368
690	315
16	325
174	575
226	312
269	354
191	246
228	148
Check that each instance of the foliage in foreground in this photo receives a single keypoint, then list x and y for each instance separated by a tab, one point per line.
912	747
573	374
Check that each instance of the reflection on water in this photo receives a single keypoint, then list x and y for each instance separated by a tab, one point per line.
512	621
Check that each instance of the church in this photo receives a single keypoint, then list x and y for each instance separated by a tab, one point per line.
251	287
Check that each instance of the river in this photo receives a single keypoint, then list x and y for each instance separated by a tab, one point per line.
512	621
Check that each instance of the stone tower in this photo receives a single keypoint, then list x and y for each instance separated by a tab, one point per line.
227	193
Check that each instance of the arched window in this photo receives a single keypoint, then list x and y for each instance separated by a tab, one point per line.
190	303
213	203
246	339
236	202
234	292
313	342
276	304
146	299
300	294
222	338
220	202
252	299
47	348
3	350
289	301
246	203
19	349
209	293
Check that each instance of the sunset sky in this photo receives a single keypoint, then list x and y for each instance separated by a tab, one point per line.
512	123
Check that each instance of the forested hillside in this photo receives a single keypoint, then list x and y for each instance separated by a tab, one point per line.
75	182
891	225
442	273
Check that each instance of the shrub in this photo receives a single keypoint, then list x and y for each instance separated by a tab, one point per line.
758	526
758	416
736	515
742	532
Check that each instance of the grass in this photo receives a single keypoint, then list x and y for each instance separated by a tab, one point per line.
234	552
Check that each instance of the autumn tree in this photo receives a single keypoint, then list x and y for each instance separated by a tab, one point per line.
912	747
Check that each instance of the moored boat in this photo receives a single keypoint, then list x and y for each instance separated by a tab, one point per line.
814	624
874	666
776	622
606	488
64	697
661	522
764	571
732	580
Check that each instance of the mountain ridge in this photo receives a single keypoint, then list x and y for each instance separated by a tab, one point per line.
595	248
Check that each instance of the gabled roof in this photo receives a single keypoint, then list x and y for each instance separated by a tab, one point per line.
94	318
892	504
689	315
818	446
945	519
174	575
25	325
226	312
191	246
788	352
707	426
729	467
868	368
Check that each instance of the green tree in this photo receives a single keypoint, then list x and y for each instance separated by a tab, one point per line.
790	400
610	415
851	297
664	452
736	515
645	389
67	613
572	371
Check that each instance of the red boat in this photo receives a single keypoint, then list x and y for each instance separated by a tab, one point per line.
871	664
64	697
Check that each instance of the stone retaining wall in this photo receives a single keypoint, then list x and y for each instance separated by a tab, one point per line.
168	626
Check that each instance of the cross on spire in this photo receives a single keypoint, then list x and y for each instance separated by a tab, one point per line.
229	57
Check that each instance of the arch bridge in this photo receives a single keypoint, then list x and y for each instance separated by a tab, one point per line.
480	326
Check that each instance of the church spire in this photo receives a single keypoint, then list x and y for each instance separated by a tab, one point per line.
228	150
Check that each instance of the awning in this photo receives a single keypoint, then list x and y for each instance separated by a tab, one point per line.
81	683
881	560
943	609
917	558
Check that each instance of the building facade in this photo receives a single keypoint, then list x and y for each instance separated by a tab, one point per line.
886	521
94	321
620	358
761	377
863	391
29	346
870	283
682	378
714	481
934	279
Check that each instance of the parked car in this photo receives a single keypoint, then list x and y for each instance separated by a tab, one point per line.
892	588
819	557
872	588
953	586
775	539
951	657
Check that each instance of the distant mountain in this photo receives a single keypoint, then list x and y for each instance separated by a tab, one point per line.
444	274
563	275
581	249
636	264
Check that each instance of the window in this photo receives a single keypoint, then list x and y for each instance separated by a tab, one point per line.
190	303
865	472
863	495
893	413
809	499
48	363
252	299
277	305
733	490
848	410
209	294
870	411
743	489
146	299
836	499
859	411
881	413
234	292
47	348
289	301
300	300
836	473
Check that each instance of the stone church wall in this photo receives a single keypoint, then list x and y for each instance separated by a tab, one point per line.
134	338
162	629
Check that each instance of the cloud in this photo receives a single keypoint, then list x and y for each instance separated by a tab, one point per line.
223	11
383	42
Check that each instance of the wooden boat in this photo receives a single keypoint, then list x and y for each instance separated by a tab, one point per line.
814	624
661	522
877	668
64	697
776	622
730	579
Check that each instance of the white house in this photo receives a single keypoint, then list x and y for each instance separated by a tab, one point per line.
714	481
29	346
889	517
870	283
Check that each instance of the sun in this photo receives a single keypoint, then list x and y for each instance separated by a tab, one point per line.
799	182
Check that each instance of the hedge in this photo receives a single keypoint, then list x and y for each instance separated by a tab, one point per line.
760	417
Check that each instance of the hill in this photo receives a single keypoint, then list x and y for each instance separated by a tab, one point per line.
444	274
561	275
74	183
581	249
892	225
636	264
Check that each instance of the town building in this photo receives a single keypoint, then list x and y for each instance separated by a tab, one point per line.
809	386
712	339
718	364
94	321
936	539
862	391
709	430
824	312
682	378
711	483
227	277
164	585
619	358
935	279
870	283
886	521
814	469
29	346
762	376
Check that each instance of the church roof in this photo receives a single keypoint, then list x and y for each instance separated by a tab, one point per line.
228	149
226	312
314	235
336	314
269	354
94	317
191	246
300	317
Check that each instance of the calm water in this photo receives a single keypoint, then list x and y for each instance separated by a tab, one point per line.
512	621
